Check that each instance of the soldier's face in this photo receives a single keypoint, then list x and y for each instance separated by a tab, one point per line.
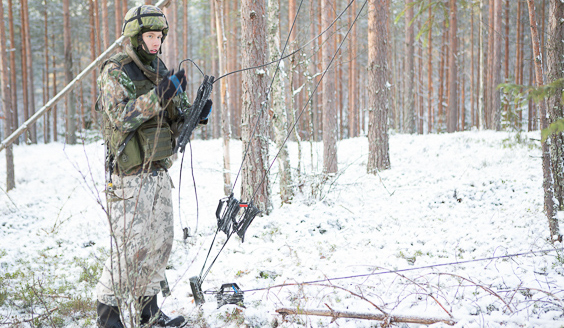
153	40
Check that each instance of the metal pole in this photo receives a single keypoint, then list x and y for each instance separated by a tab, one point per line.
22	128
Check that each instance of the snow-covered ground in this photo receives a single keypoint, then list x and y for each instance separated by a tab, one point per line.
393	239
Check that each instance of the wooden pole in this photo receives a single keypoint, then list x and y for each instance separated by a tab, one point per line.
68	88
365	316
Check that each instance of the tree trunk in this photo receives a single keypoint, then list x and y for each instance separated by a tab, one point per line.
472	71
70	132
13	90
279	113
328	84
225	120
353	81
105	24
46	121
452	112
6	103
378	90
118	18
254	131
23	59
546	168
29	67
409	73
497	60
518	59
430	73
482	72
420	115
440	99
555	65
55	136
92	58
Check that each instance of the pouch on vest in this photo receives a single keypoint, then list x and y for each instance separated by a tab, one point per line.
130	154
156	141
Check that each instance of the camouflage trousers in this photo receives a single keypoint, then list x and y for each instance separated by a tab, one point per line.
141	215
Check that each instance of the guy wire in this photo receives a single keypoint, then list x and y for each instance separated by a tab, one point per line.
311	95
267	99
407	269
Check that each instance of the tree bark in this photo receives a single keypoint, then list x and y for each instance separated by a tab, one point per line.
353	80
555	65
279	113
378	90
46	121
546	165
497	60
367	316
6	103
452	112
105	24
23	59
329	97
430	72
92	58
224	112
70	132
29	67
482	72
409	73
13	90
254	129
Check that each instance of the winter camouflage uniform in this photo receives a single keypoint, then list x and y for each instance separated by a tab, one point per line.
139	195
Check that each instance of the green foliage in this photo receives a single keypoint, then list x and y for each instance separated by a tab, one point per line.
44	290
538	94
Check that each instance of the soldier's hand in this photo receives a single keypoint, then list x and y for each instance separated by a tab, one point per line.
172	84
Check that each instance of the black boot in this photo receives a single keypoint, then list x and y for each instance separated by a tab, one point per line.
151	310
108	316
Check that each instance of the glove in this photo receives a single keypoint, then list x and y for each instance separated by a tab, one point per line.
170	85
206	111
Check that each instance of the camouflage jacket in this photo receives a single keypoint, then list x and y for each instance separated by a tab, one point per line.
124	110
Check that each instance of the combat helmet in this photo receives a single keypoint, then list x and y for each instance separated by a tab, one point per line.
141	19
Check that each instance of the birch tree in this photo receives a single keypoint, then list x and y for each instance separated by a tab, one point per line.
279	112
254	129
378	86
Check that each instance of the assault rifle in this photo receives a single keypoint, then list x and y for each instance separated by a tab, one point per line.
192	115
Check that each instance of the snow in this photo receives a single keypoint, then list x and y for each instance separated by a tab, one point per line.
423	229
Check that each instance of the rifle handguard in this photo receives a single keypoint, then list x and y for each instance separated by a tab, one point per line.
192	116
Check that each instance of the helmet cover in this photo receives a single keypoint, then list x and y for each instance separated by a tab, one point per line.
144	18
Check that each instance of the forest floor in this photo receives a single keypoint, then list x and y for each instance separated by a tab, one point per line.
454	230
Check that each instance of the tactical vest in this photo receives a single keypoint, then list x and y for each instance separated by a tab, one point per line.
153	141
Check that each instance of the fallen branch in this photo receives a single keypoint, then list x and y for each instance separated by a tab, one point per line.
366	316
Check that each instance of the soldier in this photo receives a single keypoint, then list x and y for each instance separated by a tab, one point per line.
142	105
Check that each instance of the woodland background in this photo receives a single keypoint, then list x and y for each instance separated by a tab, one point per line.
437	66
420	39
